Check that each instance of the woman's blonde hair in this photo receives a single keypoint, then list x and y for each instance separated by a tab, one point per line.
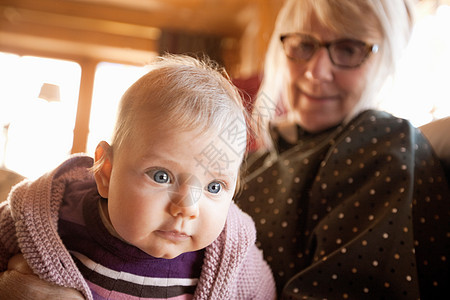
179	93
391	20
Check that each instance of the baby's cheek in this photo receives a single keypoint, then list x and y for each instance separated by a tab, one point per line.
127	227
216	227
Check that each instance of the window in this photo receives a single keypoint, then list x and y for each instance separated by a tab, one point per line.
420	91
37	133
111	82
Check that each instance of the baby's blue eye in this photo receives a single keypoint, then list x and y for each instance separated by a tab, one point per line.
214	187
161	177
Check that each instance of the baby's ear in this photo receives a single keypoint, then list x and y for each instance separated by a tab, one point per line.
103	167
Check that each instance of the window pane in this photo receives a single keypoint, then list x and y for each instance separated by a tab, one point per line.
111	81
37	133
420	90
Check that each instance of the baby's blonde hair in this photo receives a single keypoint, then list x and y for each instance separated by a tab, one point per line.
179	93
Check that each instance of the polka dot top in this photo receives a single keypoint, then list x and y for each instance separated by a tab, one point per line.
360	211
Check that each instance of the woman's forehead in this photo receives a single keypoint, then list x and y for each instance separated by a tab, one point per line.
348	23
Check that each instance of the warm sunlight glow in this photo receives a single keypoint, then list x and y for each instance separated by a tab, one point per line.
37	135
421	90
111	81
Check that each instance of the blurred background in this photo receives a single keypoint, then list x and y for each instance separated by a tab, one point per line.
64	65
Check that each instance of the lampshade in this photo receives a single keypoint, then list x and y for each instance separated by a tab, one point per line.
50	92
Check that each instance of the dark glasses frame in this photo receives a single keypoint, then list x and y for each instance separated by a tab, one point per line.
367	48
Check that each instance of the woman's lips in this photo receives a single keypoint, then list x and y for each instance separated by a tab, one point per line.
320	97
173	235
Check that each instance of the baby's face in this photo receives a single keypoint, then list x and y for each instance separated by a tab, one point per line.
169	192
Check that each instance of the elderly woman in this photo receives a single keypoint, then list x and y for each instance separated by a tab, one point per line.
349	202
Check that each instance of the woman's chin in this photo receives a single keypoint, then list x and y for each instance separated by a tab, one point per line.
316	124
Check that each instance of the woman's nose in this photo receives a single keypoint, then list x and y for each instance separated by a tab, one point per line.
319	67
185	197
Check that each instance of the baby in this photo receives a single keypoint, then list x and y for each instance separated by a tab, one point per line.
153	216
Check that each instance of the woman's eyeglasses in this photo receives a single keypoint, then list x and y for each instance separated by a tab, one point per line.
343	53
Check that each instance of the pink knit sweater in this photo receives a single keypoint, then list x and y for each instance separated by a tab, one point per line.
233	266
